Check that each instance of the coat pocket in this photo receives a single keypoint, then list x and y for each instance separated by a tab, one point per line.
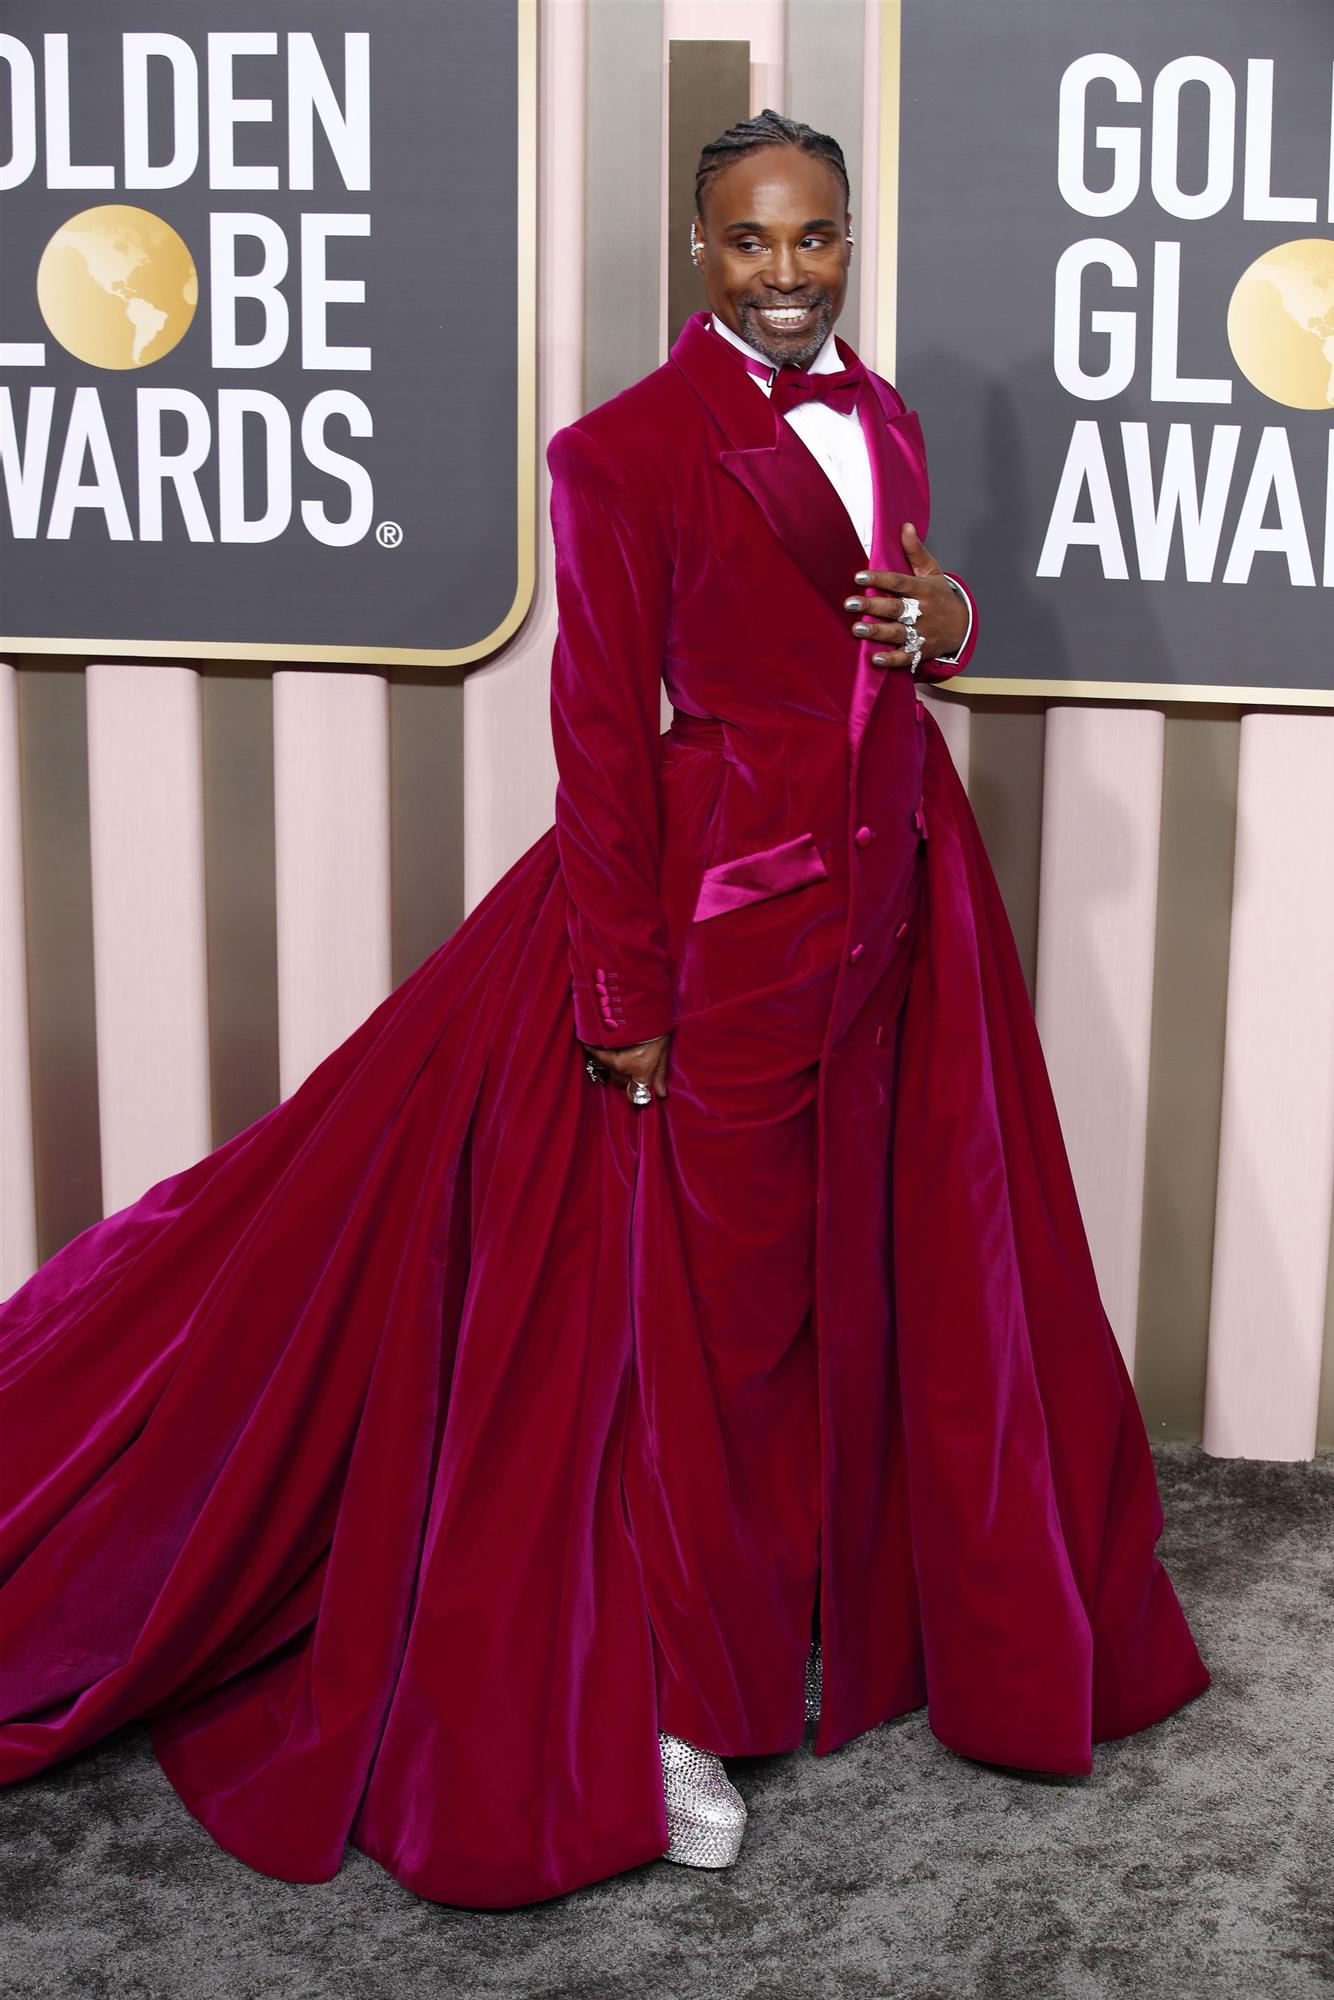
769	871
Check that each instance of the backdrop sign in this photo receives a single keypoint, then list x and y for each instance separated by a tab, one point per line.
266	327
1116	318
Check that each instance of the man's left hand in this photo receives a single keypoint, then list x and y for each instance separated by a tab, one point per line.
944	615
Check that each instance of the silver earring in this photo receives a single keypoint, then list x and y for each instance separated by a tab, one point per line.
694	244
848	240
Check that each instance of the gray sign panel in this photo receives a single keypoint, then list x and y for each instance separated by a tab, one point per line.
1116	318
266	327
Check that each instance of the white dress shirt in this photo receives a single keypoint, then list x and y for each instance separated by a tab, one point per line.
837	443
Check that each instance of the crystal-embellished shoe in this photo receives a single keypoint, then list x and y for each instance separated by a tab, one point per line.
814	1681
706	1814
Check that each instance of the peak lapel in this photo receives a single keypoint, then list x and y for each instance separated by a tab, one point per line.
789	486
768	458
898	472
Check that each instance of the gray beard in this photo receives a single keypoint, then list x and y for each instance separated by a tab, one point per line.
787	356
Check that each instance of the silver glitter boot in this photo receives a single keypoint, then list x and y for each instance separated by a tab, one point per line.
706	1814
814	1680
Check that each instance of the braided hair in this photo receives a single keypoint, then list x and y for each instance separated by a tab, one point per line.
767	128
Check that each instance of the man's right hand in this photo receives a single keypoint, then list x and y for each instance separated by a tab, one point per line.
642	1062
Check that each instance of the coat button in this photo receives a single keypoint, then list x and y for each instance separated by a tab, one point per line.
864	836
856	952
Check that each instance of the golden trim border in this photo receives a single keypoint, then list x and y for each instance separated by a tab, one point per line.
1154	691
886	351
526	483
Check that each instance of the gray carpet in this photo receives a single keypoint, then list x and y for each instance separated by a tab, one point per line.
1196	1860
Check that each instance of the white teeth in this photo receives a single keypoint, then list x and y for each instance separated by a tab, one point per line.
783	315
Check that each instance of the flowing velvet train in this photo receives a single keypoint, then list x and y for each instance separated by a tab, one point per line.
312	1453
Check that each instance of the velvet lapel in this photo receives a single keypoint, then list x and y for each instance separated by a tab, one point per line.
787	484
898	471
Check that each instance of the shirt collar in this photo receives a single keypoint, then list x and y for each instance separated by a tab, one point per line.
826	362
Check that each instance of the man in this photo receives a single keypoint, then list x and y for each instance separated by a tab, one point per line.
743	912
459	1460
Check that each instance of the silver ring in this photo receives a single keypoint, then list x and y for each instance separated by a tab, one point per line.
908	617
597	1072
640	1094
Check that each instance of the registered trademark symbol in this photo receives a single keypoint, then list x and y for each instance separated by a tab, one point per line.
389	534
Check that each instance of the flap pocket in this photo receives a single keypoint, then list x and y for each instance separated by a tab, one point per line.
746	878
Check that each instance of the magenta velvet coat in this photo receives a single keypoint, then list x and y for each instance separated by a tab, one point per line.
314	1454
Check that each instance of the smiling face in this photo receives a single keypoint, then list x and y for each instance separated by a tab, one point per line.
775	259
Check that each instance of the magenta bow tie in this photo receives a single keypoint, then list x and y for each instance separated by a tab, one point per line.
791	386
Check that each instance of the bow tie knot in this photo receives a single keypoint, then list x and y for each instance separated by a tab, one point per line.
839	387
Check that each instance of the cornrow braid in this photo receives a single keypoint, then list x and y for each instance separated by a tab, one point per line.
767	128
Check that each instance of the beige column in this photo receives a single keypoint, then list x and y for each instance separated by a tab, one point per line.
1276	1155
331	835
1102	798
146	823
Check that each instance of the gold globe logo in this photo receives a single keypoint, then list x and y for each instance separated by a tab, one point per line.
1280	324
117	287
